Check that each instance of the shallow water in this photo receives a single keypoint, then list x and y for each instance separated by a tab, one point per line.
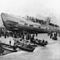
50	52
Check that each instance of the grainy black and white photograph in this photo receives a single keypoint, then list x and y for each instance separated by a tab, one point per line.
29	29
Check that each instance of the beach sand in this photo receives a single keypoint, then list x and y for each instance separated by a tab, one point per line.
50	52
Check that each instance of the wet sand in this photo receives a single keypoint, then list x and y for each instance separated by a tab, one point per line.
50	52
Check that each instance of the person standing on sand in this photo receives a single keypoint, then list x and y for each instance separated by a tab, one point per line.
51	35
10	42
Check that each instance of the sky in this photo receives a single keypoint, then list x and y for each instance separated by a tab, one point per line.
36	8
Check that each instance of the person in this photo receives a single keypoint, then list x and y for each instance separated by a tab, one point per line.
55	36
32	38
46	42
22	36
43	42
5	34
51	35
10	42
27	37
36	34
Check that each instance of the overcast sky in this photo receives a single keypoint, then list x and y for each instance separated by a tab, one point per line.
35	8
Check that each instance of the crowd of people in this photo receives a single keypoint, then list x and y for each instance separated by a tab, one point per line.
14	38
25	36
53	35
